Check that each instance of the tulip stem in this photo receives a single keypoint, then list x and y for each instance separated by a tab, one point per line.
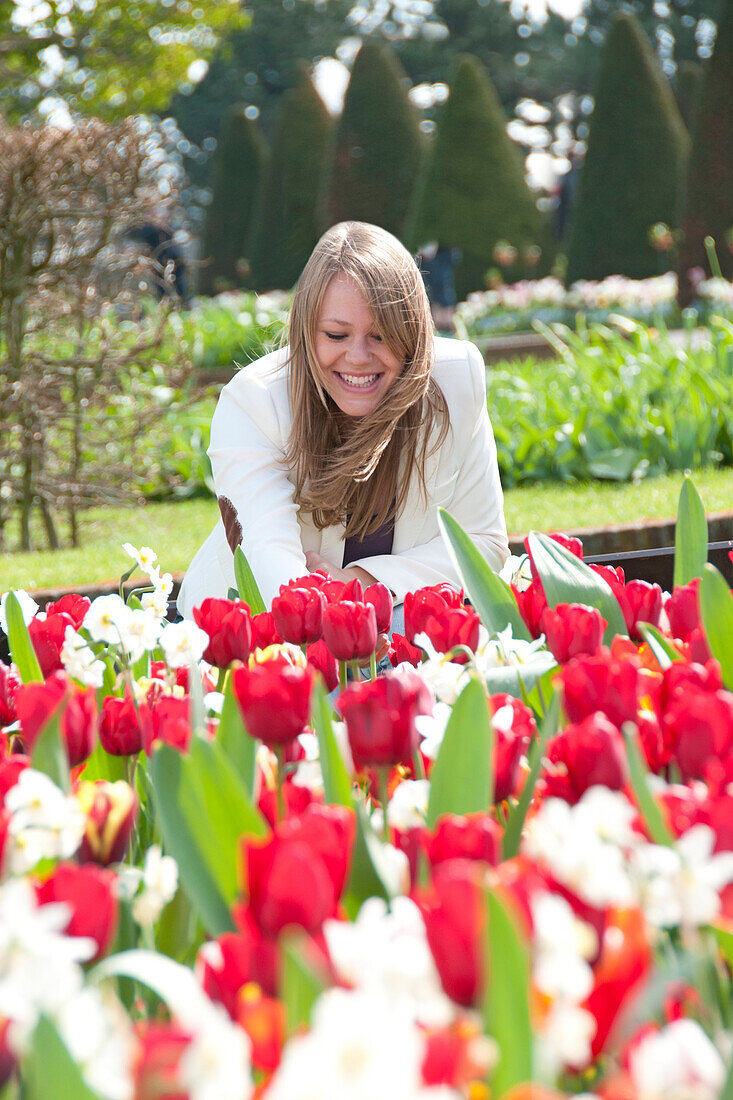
221	681
418	763
355	670
373	665
383	781
280	754
342	675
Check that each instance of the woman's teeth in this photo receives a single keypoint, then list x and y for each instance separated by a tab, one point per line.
359	380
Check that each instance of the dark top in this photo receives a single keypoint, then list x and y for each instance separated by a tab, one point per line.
379	542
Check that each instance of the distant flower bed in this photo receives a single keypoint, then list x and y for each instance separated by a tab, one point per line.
503	867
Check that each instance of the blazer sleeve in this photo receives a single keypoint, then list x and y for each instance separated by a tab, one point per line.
251	482
477	503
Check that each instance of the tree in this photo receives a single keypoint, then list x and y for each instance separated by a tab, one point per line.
238	169
287	225
709	206
108	60
471	193
634	166
378	145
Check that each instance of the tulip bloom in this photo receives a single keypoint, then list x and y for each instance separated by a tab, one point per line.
401	652
275	700
454	626
585	755
425	603
572	630
170	723
37	703
89	892
475	836
9	684
226	964
264	632
111	811
380	597
640	602
453	912
380	720
698	727
319	658
47	637
298	875
683	609
120	728
531	603
73	605
298	613
601	683
229	626
350	630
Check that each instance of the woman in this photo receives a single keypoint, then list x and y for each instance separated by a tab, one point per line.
336	451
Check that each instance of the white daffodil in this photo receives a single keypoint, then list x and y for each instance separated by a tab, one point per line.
386	950
565	1038
308	772
45	823
408	806
506	650
183	643
431	728
156	602
140	634
517	570
107	618
216	1063
681	885
145	556
446	679
159	885
678	1062
98	1035
561	946
79	660
28	607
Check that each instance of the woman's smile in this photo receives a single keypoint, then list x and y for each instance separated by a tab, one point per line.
356	366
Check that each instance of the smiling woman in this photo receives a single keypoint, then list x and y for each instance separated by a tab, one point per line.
336	451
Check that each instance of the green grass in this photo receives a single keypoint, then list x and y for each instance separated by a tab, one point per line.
175	531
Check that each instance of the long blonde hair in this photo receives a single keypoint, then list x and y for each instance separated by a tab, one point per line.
357	471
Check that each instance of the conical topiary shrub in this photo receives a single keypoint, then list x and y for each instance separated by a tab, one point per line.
377	147
709	206
238	168
472	193
634	166
286	225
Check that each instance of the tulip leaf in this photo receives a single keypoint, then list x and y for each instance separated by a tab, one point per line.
246	583
490	595
171	981
462	779
519	680
336	781
49	752
727	1093
204	809
48	1069
300	984
371	874
725	942
103	765
518	813
238	744
716	612
506	999
566	579
19	641
690	536
639	773
664	652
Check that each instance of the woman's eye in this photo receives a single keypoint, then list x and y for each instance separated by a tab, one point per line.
376	336
336	335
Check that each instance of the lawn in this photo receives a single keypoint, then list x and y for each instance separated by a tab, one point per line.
176	530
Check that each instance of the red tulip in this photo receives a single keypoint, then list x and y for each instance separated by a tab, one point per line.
264	632
624	963
37	703
89	891
380	720
475	836
170	723
47	636
156	1069
10	768
229	626
531	603
453	912
569	542
426	602
380	597
698	727
336	591
683	609
640	602
123	726
298	614
572	630
111	810
401	652
600	683
9	684
588	754
511	740
318	579
275	700
350	630
298	875
454	626
73	605
322	661
225	965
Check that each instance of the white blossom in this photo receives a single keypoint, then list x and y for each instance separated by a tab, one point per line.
506	650
431	728
565	1037
562	945
45	823
28	607
517	570
408	806
308	772
216	1063
106	619
681	885
679	1062
183	643
79	660
98	1035
140	633
159	885
145	556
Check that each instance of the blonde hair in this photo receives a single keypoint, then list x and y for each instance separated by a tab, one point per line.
357	471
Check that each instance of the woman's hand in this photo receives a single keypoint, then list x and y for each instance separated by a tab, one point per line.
315	561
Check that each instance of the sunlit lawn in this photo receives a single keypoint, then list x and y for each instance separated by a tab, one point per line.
176	530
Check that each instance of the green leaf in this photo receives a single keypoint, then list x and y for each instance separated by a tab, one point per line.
727	1093
371	874
49	1070
661	647
491	597
102	765
238	744
19	640
725	942
506	1001
462	779
566	579
336	782
49	752
519	680
172	982
246	583
518	813
648	805
300	984
690	536
716	612
204	809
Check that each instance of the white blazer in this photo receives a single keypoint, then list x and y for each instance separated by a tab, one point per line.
249	432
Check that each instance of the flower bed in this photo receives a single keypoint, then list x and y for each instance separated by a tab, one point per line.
502	868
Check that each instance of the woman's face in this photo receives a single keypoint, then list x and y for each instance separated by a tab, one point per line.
357	367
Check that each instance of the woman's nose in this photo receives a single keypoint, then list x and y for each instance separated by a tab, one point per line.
357	351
